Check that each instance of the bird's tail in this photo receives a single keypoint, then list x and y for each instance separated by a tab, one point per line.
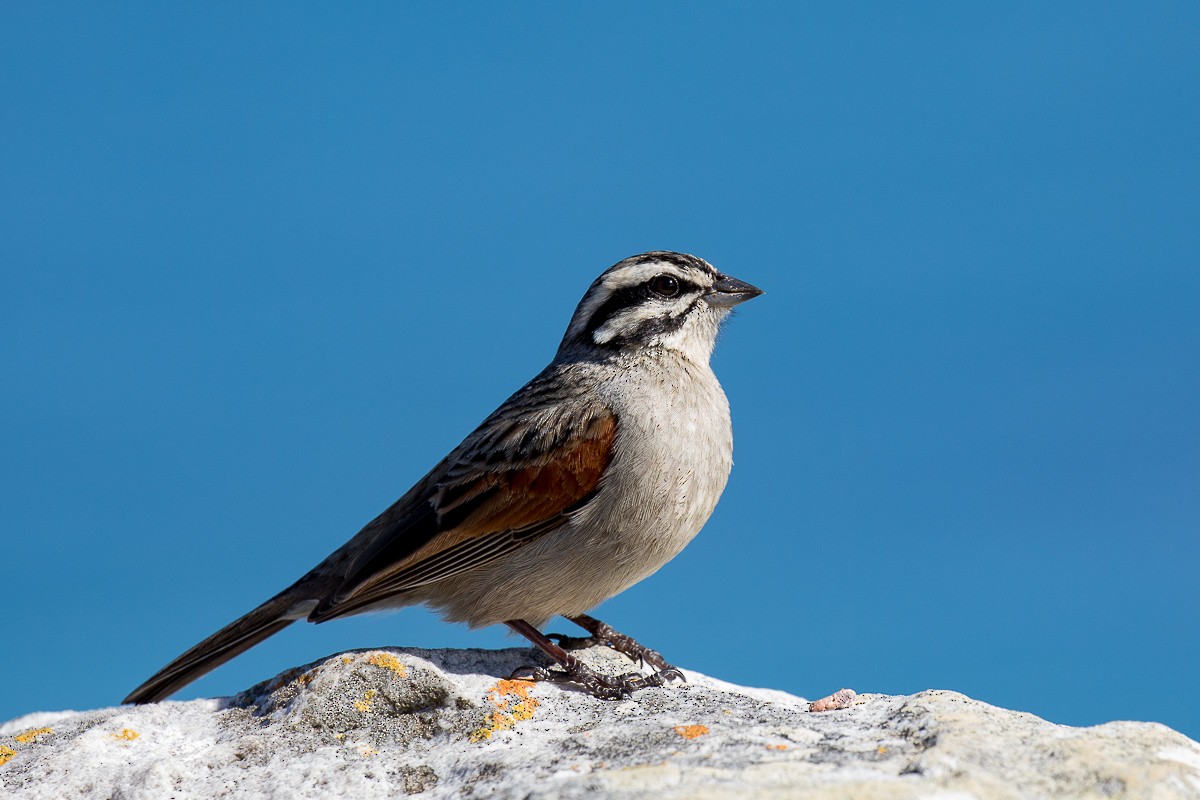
240	635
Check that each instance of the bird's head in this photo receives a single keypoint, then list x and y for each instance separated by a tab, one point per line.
660	299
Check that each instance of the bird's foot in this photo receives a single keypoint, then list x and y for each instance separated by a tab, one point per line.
626	645
571	670
603	687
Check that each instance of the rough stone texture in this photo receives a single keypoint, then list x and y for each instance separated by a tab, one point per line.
441	724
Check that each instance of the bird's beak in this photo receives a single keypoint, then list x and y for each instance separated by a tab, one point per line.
728	292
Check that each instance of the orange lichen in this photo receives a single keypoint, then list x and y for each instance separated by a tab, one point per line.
777	747
364	705
513	704
31	736
6	754
388	661
691	731
126	734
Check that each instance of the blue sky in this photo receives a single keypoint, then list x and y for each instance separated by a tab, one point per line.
263	265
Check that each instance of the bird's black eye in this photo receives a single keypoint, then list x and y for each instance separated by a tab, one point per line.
665	285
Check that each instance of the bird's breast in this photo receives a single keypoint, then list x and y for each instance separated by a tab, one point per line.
673	454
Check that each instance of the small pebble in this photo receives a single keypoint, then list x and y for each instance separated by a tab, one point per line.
843	698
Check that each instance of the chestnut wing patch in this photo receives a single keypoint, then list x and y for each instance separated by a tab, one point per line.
477	514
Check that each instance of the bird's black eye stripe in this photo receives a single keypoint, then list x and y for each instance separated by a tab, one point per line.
630	296
620	299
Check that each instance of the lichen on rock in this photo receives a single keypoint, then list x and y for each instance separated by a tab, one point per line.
448	724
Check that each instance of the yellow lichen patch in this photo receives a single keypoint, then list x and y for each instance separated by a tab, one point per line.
364	705
347	659
513	704
31	736
691	731
126	734
388	661
6	754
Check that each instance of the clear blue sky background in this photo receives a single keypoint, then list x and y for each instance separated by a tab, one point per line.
263	265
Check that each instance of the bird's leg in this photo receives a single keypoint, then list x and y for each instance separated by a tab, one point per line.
605	687
605	633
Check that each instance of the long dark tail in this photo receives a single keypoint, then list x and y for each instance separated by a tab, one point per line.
236	637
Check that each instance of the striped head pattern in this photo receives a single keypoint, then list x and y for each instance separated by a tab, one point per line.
660	299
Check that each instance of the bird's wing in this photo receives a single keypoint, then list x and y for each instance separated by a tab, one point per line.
520	475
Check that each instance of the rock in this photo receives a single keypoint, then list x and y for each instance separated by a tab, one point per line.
441	724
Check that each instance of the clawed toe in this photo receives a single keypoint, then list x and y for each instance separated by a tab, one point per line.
603	687
531	673
664	677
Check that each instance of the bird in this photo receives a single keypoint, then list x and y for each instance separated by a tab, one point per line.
588	479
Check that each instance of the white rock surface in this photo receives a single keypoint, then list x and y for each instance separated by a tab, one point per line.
384	723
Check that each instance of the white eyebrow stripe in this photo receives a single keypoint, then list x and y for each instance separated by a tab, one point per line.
640	273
